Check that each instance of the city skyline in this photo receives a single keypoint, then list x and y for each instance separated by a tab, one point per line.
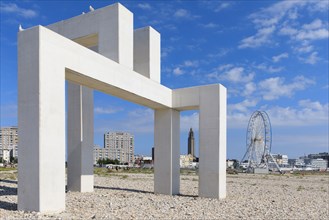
270	55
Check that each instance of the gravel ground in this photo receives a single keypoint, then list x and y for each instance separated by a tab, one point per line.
130	196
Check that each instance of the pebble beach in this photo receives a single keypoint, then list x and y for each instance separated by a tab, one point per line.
130	196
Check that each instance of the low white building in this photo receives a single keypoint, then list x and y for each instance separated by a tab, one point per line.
230	164
319	163
186	161
8	143
281	159
299	162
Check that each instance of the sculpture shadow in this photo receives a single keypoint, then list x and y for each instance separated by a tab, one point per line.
124	189
8	191
191	196
8	206
9	181
140	191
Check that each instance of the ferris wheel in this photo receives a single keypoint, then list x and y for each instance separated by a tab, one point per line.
258	142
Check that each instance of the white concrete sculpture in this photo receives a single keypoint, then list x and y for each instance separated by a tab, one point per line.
100	50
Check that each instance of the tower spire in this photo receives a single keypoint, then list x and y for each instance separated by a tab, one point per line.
190	146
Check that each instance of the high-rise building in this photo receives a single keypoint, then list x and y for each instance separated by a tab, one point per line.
8	143
190	147
120	145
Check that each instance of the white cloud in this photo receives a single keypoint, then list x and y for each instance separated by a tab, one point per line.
319	6
145	6
138	121
222	52
238	114
273	14
165	51
304	48
261	37
279	57
317	23
274	88
12	8
237	75
289	31
249	88
210	25
178	71
222	6
282	16
231	74
191	63
268	69
311	59
326	86
181	13
307	114
316	30
106	110
308	104
185	14
313	34
224	67
189	121
242	106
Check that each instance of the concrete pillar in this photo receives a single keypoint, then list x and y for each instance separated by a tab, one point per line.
116	34
166	150
212	161
41	122
147	53
80	132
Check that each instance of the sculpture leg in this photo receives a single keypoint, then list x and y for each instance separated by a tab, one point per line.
212	161
80	134
41	127
166	150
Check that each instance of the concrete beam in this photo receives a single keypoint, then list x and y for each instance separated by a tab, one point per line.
166	152
90	69
113	33
212	160
186	98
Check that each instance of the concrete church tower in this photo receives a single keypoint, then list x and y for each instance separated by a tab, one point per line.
190	147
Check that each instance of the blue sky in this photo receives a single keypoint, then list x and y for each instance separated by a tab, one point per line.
271	55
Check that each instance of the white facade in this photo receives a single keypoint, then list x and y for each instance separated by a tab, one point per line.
186	161
230	164
319	163
47	56
8	143
100	153
281	159
285	159
120	146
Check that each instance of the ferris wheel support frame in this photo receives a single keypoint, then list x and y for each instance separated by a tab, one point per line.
259	142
